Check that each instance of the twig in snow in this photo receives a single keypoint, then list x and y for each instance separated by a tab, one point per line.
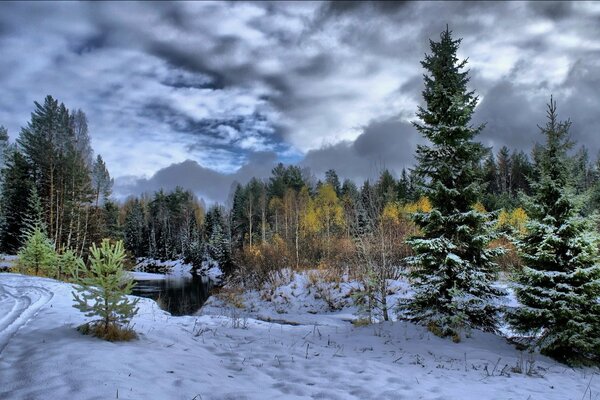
496	366
306	356
587	388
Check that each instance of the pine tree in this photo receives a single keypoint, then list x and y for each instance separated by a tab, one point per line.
101	181
453	272
504	170
134	229
37	254
4	147
332	178
16	190
559	285
217	245
103	292
70	266
35	214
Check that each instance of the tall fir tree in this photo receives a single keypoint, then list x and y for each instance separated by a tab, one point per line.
559	285
453	269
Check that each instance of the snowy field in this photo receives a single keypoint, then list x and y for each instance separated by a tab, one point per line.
304	352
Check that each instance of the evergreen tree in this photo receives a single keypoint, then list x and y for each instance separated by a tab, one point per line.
103	291
217	245
101	181
4	147
35	214
403	186
521	173
82	138
55	145
332	178
37	254
70	266
134	229
112	228
453	272
559	285
504	171
490	171
386	188
16	190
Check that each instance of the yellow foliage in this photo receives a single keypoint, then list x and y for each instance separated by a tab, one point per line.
518	219
503	219
328	208
310	221
421	205
479	207
391	212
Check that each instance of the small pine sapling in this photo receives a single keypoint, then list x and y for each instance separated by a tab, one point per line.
103	291
37	254
70	266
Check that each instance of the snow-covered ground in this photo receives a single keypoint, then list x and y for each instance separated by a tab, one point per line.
227	353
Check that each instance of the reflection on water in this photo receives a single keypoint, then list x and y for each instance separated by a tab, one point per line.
179	295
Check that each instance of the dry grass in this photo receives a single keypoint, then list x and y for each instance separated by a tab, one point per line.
361	322
510	260
230	295
112	333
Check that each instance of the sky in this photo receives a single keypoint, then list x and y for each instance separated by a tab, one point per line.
205	94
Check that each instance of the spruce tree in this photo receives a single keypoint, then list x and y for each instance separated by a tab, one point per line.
453	268
103	291
559	285
134	229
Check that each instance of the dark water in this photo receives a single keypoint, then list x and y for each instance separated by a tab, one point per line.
179	295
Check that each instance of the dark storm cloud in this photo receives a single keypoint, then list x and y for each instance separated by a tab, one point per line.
388	144
512	112
206	183
331	85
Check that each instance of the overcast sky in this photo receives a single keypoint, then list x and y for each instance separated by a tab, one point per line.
202	94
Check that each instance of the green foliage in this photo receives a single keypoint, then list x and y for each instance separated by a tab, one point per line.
16	190
103	291
38	256
453	270
559	285
101	180
35	214
70	266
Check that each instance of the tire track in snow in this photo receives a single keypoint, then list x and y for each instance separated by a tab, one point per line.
19	305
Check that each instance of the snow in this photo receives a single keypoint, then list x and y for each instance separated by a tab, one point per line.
174	269
226	354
